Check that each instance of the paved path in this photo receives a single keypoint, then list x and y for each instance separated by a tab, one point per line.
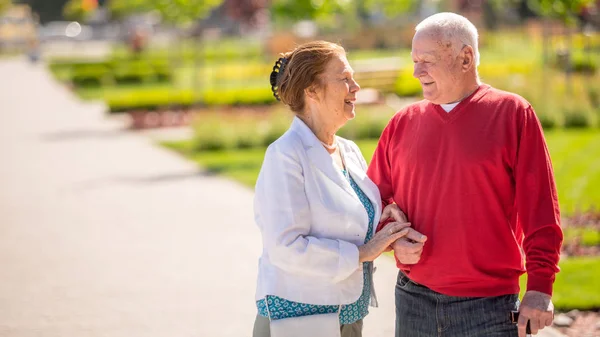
103	233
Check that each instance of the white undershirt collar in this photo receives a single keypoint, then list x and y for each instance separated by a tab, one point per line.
448	107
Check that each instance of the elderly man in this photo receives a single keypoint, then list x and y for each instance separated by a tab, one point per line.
470	168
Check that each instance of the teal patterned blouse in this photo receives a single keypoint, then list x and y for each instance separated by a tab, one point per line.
350	313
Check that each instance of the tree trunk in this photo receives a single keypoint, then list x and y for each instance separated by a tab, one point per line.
568	61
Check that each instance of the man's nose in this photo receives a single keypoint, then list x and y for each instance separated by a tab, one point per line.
418	70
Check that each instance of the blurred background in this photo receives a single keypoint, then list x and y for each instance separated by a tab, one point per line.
193	76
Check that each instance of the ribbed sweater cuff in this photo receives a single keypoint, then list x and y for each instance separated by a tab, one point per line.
540	283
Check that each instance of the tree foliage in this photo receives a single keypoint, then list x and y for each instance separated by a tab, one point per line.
565	10
173	11
307	9
47	10
79	9
4	4
390	7
122	8
326	9
248	12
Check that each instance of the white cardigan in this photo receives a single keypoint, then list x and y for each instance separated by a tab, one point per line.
311	220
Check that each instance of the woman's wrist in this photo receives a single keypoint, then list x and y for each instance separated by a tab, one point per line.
361	255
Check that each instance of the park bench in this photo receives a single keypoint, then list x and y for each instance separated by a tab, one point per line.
378	73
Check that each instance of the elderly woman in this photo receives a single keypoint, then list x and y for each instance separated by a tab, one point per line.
316	207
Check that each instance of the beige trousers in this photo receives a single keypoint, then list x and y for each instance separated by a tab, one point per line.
261	328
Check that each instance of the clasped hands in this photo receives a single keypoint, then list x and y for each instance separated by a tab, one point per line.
408	248
397	235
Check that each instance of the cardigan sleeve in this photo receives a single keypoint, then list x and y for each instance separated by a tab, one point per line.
283	214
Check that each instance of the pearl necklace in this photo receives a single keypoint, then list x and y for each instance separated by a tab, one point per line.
330	147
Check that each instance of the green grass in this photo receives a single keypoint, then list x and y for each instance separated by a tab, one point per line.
575	155
240	165
576	286
576	160
589	236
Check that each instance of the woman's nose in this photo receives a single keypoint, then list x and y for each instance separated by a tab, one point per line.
355	87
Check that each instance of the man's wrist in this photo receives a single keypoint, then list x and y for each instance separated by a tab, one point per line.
541	284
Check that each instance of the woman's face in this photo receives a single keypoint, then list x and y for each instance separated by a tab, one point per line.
337	93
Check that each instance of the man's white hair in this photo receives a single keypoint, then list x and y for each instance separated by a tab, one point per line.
454	28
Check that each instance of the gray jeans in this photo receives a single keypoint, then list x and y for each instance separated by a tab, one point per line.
422	312
261	328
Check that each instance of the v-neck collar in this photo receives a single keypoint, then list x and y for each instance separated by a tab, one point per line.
449	117
321	160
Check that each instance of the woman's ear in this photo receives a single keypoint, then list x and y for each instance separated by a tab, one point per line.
312	93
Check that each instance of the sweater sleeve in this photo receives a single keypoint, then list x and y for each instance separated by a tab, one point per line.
537	205
380	169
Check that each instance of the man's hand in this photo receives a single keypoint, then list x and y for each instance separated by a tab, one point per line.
537	308
408	249
394	212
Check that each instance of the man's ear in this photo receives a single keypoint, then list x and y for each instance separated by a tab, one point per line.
468	57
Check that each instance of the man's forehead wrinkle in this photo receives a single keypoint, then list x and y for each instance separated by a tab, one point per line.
436	35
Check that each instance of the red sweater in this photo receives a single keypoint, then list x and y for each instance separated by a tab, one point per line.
478	182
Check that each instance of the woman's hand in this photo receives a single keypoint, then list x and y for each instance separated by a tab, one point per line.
382	240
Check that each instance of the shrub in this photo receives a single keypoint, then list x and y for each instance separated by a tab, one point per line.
272	136
238	96
547	121
210	134
150	98
162	71
275	126
61	71
371	129
578	119
247	134
141	70
497	69
407	85
584	65
116	70
593	91
241	71
89	74
218	131
368	124
134	72
190	50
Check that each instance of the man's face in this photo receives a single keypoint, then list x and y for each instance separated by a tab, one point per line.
437	67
